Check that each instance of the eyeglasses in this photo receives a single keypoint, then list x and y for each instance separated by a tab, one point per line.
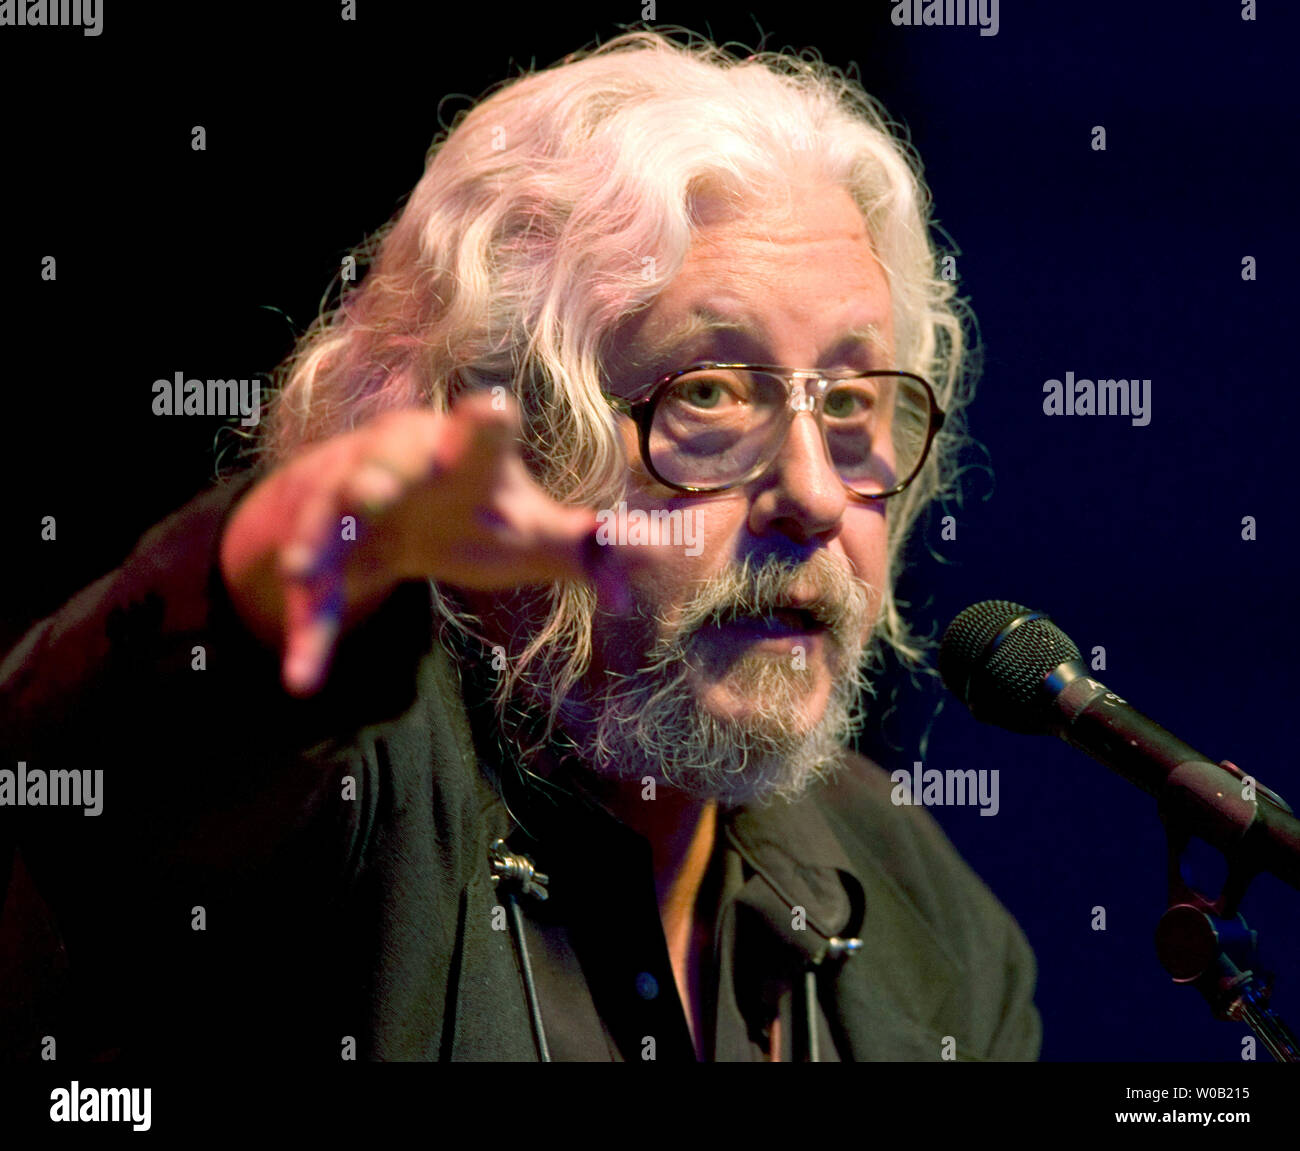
711	427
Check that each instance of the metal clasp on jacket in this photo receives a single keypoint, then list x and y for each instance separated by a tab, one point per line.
520	872
837	948
516	869
806	1041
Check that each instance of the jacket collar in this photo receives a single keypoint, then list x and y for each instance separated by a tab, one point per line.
798	863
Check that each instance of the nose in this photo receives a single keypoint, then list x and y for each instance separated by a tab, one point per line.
801	494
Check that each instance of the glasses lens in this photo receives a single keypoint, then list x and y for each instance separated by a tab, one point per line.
713	427
877	430
716	427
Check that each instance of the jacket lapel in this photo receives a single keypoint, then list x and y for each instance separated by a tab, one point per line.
902	975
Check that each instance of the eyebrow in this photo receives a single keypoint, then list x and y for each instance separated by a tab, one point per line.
705	322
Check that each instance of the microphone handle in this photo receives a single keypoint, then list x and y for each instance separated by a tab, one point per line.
1093	719
1202	795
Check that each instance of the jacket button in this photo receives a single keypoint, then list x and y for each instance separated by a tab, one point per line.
647	986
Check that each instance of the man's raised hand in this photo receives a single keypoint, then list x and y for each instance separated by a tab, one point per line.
442	496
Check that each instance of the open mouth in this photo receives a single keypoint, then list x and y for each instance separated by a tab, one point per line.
801	619
779	621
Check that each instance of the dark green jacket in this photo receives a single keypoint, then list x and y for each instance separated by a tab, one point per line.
308	880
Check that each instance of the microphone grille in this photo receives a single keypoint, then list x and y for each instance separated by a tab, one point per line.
994	658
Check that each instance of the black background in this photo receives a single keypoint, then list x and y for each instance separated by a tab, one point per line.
1122	263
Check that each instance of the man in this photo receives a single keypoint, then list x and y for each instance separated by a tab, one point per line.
411	752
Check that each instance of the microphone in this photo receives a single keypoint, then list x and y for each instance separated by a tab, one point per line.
1014	668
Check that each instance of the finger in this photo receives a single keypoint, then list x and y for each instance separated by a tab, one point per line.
313	618
479	436
374	487
312	583
566	543
497	405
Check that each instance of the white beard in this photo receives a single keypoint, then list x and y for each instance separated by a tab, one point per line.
652	723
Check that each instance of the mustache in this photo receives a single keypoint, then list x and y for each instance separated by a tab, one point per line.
822	586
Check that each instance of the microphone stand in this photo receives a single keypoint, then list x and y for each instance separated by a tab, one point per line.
992	655
1207	942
